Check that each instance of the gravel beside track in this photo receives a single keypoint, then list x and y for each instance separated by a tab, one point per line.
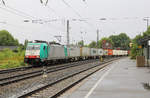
17	88
36	72
14	69
60	87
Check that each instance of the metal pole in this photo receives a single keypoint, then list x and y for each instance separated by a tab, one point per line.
147	20
147	56
147	23
97	37
67	32
82	39
148	53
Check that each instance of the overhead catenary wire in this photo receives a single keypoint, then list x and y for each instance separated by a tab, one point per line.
23	13
67	4
50	8
15	13
23	33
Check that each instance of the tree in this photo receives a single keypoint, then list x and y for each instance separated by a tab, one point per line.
147	33
124	40
100	42
116	41
25	43
80	43
93	44
6	39
135	51
120	41
136	39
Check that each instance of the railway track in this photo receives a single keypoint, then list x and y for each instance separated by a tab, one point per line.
14	69
38	90
15	78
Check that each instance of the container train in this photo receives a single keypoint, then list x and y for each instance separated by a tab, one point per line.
41	52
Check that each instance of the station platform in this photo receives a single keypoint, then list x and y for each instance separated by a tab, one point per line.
121	79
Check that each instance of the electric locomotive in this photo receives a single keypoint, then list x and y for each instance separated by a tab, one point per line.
36	52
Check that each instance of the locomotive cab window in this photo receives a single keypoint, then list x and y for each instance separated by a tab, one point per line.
44	47
33	47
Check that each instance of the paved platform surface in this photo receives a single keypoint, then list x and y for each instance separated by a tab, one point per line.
121	79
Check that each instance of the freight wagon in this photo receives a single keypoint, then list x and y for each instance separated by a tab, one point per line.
85	52
41	52
94	52
74	53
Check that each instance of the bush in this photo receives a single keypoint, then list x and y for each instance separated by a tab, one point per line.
10	59
135	51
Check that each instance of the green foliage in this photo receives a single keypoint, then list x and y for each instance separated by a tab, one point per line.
136	39
93	44
6	39
147	33
120	41
135	51
101	41
85	45
10	59
25	43
80	43
12	64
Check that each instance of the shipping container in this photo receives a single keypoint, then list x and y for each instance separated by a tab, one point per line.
58	52
84	51
94	52
100	52
115	52
110	52
105	52
74	51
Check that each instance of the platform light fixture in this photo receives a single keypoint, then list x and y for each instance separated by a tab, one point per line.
148	42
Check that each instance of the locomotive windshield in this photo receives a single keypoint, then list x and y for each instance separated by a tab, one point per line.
33	47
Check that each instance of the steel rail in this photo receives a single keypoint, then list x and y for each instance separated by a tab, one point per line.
16	78
15	69
30	92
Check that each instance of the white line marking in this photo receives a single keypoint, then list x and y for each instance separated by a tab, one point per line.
94	87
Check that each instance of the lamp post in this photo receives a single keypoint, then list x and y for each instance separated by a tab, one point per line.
148	44
147	21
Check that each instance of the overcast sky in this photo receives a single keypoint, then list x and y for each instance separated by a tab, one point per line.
121	16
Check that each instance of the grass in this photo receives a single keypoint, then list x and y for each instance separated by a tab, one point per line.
10	59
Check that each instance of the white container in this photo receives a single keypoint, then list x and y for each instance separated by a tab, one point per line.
100	52
94	52
56	52
74	51
115	52
85	51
